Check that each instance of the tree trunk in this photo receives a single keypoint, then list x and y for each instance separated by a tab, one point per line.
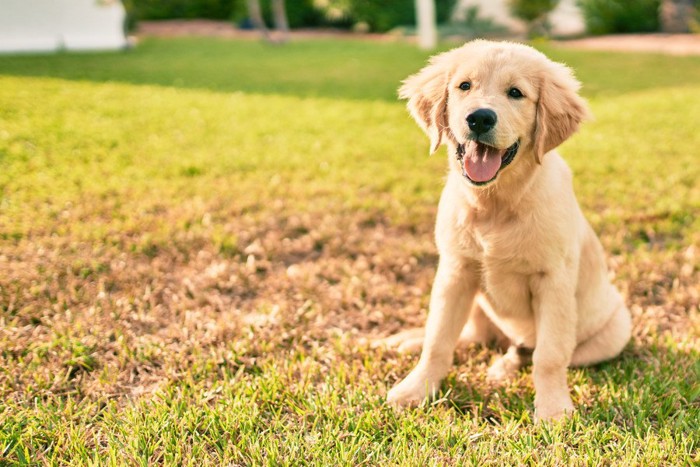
257	19
280	18
427	27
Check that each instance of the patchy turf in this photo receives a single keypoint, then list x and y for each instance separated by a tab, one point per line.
198	238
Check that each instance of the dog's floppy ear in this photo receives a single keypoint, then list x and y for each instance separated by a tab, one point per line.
426	92
560	109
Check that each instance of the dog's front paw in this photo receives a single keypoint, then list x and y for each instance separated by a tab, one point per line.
413	390
553	408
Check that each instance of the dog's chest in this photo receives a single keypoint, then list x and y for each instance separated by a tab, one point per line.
501	240
508	252
506	280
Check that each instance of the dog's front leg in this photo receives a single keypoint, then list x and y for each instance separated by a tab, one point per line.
455	285
554	306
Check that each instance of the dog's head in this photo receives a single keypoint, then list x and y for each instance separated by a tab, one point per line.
494	103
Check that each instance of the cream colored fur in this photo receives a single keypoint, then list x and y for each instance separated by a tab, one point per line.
518	252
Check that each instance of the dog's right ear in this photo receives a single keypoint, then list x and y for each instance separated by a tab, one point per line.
426	92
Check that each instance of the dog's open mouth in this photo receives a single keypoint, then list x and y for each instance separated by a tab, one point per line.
481	162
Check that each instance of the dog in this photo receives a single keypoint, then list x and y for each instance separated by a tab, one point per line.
517	258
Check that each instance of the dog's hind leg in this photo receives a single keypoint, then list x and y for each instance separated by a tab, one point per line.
408	341
508	365
478	330
606	343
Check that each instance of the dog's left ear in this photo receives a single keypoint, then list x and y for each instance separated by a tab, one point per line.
560	110
426	92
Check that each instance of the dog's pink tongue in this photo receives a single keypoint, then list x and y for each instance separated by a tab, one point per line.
481	162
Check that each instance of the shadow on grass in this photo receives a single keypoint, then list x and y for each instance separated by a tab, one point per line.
336	69
345	69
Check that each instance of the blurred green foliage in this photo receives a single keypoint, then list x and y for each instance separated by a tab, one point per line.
168	9
620	16
534	12
300	13
530	10
384	16
377	16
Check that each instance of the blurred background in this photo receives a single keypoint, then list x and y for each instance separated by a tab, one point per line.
44	25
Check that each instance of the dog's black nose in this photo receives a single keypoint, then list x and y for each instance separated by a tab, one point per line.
481	121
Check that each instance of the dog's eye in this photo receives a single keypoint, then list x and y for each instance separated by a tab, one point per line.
465	86
515	93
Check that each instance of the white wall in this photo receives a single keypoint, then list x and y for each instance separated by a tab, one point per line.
567	19
50	25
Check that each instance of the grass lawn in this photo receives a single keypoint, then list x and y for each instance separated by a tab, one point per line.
198	238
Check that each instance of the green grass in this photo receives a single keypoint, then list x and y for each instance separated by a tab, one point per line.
198	237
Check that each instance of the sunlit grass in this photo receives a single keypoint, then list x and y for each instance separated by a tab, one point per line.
198	236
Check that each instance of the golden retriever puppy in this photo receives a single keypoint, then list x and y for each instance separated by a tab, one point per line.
517	256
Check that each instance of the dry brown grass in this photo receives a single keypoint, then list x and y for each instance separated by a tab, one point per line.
96	321
165	297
